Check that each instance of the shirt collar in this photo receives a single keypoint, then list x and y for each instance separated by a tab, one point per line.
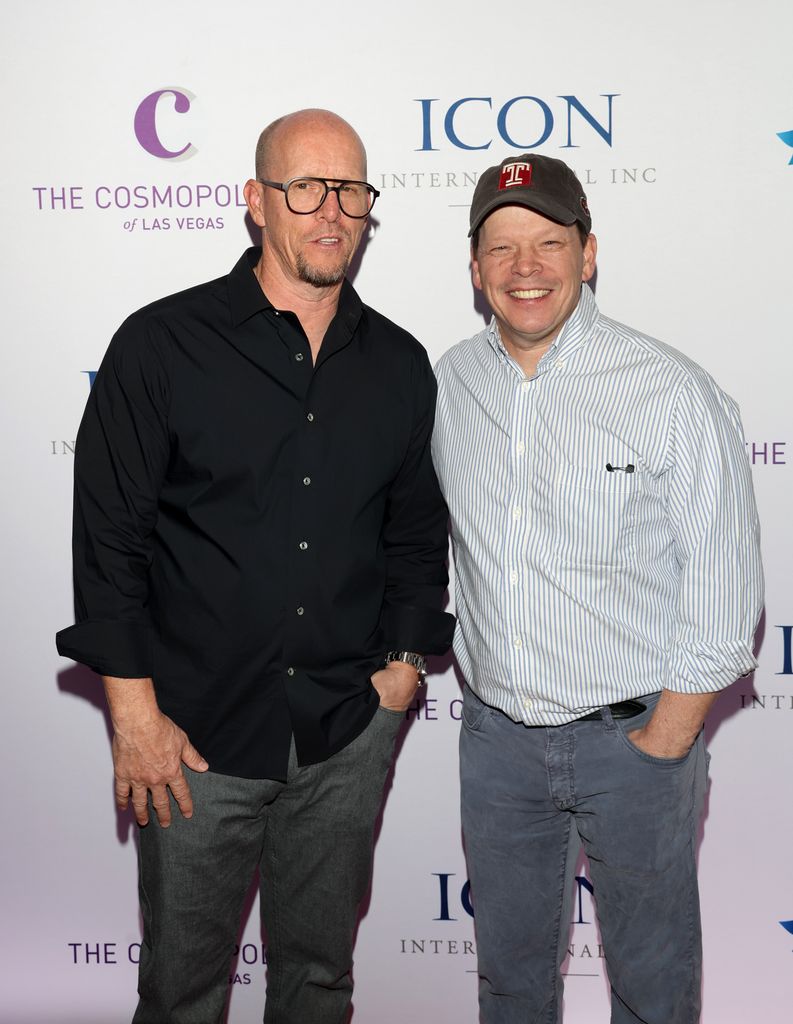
245	293
247	298
575	331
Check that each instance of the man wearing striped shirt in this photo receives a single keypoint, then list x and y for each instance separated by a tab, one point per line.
608	583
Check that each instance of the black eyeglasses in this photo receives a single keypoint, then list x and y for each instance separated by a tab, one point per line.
306	195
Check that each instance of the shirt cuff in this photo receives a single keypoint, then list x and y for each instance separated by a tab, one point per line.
705	668
111	648
423	630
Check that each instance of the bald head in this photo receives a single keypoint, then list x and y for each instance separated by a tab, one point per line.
322	127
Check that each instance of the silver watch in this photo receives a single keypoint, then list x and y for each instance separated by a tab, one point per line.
418	661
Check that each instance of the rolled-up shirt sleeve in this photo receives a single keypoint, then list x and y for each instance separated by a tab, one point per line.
415	538
714	522
121	456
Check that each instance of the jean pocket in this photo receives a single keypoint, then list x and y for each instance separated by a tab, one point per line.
663	762
474	711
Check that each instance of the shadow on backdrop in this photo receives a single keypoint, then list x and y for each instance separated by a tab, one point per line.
79	681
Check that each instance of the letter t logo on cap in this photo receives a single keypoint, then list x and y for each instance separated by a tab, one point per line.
515	174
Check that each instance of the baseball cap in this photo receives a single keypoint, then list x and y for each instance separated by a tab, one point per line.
540	183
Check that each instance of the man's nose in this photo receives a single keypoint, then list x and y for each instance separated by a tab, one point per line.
525	263
330	209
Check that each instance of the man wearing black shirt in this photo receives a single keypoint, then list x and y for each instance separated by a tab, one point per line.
259	546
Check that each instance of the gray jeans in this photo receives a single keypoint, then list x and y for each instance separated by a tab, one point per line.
311	838
531	797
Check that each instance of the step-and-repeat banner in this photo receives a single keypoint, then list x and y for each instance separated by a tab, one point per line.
128	133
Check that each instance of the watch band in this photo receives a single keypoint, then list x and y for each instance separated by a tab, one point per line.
418	661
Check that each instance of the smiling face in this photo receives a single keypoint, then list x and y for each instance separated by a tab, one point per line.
530	270
308	249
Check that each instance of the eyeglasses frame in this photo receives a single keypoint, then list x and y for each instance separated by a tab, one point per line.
283	186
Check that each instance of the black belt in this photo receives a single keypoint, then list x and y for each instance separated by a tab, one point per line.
622	709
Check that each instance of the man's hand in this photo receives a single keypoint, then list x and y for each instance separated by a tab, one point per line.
674	725
396	684
148	752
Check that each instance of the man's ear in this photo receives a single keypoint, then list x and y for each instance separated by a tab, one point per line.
590	257
254	195
475	269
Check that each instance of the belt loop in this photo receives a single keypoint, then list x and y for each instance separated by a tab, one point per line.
608	719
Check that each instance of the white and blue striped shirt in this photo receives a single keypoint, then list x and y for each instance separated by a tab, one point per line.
577	586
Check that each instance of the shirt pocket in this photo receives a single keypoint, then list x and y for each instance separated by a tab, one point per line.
594	516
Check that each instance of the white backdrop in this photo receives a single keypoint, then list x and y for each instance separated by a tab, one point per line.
677	117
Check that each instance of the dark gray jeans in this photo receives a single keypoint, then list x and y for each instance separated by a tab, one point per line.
311	838
531	797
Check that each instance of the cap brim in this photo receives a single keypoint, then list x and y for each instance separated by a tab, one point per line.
539	203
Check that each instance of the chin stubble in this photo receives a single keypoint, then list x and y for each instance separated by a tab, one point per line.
319	278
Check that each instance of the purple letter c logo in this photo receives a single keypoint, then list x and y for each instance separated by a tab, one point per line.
146	123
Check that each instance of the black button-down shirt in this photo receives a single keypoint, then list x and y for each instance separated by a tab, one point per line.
254	531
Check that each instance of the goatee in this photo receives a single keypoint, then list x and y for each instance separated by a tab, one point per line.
319	278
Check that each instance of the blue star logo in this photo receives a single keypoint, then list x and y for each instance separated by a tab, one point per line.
787	138
787	925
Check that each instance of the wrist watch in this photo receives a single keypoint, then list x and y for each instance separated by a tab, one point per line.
418	661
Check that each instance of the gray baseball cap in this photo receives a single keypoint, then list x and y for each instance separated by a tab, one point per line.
540	183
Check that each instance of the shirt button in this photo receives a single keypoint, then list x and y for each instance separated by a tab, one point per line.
527	702
299	357
300	610
290	671
310	417
516	512
559	364
525	385
303	545
513	576
306	480
520	447
517	642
